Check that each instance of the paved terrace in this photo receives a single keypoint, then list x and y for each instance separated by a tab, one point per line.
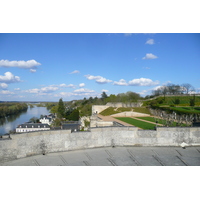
110	118
117	156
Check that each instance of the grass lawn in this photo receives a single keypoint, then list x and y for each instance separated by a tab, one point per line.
160	121
137	123
195	110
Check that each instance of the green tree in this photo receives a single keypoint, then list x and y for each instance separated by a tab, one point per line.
54	109
192	102
61	109
104	95
74	116
34	120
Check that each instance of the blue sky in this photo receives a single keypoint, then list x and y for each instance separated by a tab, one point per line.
46	67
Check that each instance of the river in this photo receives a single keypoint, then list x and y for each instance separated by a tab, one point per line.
10	123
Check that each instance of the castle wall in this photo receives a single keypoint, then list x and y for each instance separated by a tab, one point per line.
28	144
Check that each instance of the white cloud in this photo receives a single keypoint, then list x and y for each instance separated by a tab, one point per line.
3	85
149	56
104	90
82	85
146	68
68	94
150	41
143	92
20	64
142	82
84	90
32	70
127	34
34	91
98	79
48	89
17	89
43	90
63	85
120	82
6	92
9	78
75	72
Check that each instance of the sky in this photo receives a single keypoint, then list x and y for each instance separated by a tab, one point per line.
50	66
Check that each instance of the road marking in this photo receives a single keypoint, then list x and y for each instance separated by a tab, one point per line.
111	161
61	157
158	159
182	160
198	150
178	152
108	152
86	163
36	162
132	156
88	156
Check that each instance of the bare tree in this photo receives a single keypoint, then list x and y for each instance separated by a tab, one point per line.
187	88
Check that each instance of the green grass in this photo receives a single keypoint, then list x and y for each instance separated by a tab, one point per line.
137	123
187	110
108	111
141	110
151	119
160	121
184	100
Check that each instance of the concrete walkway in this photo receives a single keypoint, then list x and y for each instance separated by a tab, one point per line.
118	156
109	118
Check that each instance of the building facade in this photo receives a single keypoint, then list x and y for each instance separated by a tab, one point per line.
29	127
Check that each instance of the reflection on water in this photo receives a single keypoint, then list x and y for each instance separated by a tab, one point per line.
10	118
10	123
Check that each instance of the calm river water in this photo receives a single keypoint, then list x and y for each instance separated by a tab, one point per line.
11	122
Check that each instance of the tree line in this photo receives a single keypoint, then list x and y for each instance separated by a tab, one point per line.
7	109
174	89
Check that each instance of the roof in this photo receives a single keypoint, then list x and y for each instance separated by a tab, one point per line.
71	126
33	125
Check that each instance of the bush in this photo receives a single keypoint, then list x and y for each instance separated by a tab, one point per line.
177	101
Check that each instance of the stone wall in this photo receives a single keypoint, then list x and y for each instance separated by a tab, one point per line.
28	144
96	109
130	114
99	108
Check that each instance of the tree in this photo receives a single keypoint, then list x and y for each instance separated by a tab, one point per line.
192	102
61	109
132	96
74	116
187	88
54	109
34	120
104	95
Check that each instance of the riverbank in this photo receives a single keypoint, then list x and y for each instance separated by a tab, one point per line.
8	124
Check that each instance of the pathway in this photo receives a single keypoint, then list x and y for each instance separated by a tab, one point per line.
109	118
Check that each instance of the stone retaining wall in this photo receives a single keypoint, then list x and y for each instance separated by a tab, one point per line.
28	144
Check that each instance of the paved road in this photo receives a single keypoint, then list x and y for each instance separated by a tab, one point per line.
118	156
